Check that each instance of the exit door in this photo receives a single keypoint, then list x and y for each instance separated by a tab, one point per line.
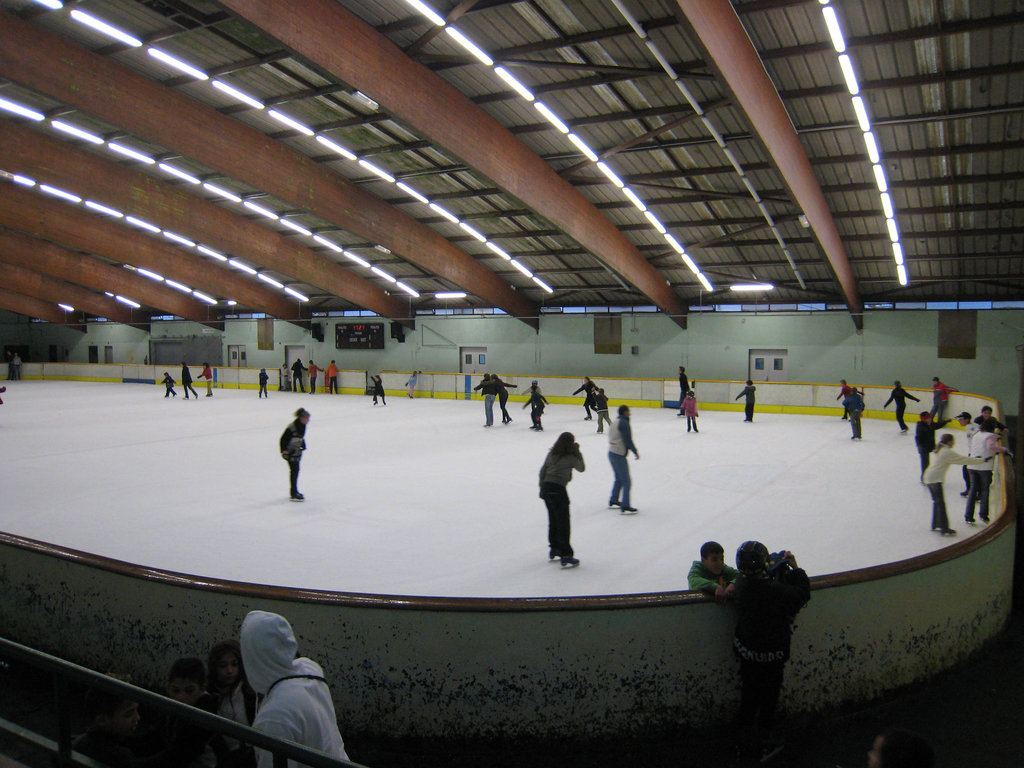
474	359
768	365
236	355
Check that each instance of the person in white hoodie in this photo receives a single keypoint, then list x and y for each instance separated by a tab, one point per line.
296	700
941	458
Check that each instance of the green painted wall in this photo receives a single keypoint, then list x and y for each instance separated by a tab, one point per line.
822	347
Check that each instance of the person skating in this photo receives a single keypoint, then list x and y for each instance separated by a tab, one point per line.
313	371
503	388
854	408
168	383
489	390
924	439
297	369
264	378
410	384
844	392
684	387
984	445
536	403
587	388
378	389
748	393
601	406
933	477
555	474
208	375
940	398
690	409
186	381
292	444
900	396
620	443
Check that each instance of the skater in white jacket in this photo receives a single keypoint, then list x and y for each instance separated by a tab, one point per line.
296	701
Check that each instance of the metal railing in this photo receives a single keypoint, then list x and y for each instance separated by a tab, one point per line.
63	673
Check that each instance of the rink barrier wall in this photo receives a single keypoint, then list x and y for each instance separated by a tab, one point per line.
464	668
772	397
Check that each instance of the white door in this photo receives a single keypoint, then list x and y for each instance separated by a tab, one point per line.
768	365
236	355
473	359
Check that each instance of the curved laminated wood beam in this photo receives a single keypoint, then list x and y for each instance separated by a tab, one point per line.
715	25
172	207
55	261
69	73
58	222
28	282
327	34
41	310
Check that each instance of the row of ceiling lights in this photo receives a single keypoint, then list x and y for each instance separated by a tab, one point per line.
835	32
525	93
226	88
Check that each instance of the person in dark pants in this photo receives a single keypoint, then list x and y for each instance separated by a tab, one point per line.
297	369
767	599
169	385
900	396
587	388
684	387
378	389
503	388
970	429
984	446
924	438
844	392
555	474
748	392
536	403
854	407
292	444
264	378
186	381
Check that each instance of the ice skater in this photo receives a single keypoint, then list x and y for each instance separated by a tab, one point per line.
169	386
264	378
587	388
297	369
601	406
984	445
900	396
620	443
941	458
410	384
684	387
854	407
924	439
940	397
292	444
489	390
555	474
503	388
748	392
690	409
2	390
536	403
378	390
208	375
332	378
186	381
844	392
313	371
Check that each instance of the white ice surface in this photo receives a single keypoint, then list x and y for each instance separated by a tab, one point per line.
416	498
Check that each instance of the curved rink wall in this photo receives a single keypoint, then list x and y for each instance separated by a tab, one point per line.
477	667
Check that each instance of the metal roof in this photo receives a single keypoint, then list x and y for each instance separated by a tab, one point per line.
942	85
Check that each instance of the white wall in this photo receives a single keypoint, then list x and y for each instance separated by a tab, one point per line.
822	347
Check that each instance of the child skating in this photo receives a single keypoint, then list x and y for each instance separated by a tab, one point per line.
169	386
690	409
536	403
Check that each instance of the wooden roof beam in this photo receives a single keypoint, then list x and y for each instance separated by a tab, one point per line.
33	57
28	282
332	37
13	301
715	26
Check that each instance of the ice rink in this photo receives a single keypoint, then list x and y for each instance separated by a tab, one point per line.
416	498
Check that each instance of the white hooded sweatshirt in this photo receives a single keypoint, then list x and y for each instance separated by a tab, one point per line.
299	710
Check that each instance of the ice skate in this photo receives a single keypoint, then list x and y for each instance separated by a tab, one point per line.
570	562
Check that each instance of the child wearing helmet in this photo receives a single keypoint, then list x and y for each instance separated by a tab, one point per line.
766	604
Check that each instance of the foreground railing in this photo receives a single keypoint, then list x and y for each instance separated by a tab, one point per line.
63	673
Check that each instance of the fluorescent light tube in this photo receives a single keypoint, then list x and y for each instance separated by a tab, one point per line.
121	149
101	26
551	116
178	64
63	127
104	209
517	86
220	85
57	192
180	174
221	192
283	118
413	192
470	46
336	147
260	210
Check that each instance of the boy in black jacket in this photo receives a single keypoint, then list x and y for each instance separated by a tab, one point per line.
767	600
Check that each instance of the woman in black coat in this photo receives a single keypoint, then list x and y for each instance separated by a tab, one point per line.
292	444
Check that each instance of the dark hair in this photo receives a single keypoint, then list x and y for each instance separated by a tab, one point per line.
749	382
709	548
99	702
218	652
925	413
905	749
564	445
897	383
986	408
188	669
301	412
623	408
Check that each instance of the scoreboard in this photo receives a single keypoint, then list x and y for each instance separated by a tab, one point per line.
359	336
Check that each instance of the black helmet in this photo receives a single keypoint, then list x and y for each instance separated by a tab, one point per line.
752	557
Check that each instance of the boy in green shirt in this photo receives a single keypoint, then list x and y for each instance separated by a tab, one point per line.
711	575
